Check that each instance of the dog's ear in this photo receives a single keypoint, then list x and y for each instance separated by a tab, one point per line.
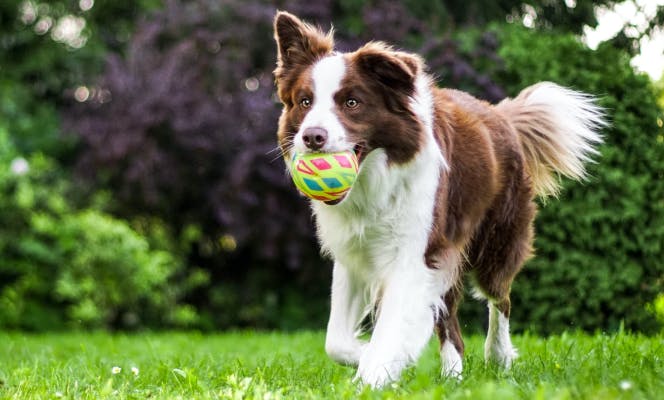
394	69
298	43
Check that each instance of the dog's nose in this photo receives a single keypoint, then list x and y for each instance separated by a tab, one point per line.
314	138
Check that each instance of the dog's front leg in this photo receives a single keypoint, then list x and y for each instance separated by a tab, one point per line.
347	309
404	324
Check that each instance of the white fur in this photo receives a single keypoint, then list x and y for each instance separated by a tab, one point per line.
498	346
422	106
451	363
327	75
378	236
559	128
577	118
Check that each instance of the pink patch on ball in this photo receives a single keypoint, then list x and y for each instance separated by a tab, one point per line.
343	161
321	164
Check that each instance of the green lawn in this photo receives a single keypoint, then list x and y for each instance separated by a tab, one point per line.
294	366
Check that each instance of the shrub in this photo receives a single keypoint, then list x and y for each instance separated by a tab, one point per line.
60	266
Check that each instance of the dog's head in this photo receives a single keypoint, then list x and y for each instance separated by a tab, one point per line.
335	101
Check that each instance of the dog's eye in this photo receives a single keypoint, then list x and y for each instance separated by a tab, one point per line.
352	103
305	102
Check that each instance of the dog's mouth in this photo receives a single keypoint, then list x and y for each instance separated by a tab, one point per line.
360	150
334	202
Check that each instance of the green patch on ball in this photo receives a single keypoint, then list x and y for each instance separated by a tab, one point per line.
324	176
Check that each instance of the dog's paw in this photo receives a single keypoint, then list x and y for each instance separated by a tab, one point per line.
346	352
378	372
503	356
451	362
376	378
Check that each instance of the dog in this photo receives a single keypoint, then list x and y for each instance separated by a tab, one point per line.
446	186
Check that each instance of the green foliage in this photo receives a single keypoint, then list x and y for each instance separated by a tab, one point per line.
34	124
248	365
60	266
451	14
657	308
600	246
659	87
40	67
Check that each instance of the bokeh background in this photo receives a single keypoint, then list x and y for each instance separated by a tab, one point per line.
141	188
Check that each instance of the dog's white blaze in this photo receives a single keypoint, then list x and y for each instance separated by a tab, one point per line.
498	346
327	75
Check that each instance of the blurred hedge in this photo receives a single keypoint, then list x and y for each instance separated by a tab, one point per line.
80	268
600	247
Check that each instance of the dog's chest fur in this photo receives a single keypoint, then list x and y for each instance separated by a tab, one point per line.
387	215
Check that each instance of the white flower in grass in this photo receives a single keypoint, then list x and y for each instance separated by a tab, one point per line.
625	385
58	395
134	371
116	370
19	166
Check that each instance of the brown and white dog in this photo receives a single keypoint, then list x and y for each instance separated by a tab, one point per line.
446	186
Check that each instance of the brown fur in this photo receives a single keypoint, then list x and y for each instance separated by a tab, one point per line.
383	82
484	208
299	46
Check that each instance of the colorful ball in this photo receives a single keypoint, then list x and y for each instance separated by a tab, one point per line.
324	176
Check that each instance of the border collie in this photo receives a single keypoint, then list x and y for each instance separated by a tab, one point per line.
446	186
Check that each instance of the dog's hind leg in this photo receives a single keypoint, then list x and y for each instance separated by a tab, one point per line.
348	308
449	335
499	253
498	346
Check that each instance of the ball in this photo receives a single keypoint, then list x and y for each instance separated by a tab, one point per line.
324	176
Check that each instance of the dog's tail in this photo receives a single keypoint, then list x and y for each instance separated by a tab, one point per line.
559	131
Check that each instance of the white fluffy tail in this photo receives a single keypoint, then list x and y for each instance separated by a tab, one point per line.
559	130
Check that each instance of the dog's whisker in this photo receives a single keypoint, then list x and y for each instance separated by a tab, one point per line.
283	148
282	151
276	149
276	158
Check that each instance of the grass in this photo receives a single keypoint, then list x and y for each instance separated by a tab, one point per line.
294	366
